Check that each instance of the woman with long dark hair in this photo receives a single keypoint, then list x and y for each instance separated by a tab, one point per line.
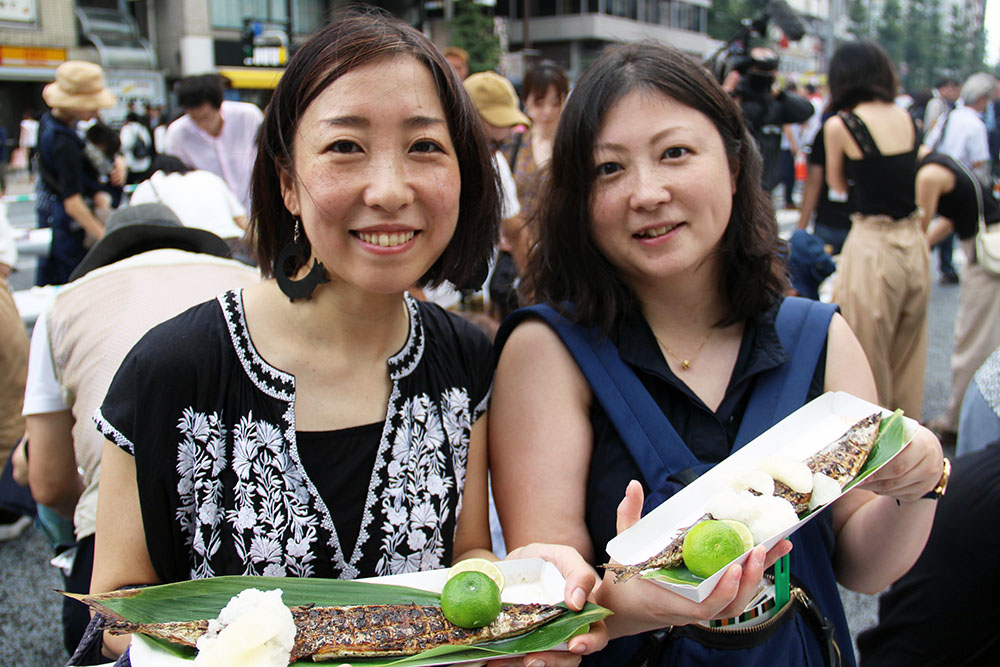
656	236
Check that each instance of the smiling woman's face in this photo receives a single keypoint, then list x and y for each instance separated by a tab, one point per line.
663	192
376	179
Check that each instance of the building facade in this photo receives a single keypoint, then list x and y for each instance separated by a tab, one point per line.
573	32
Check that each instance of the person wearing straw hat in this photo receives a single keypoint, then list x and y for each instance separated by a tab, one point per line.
146	268
76	95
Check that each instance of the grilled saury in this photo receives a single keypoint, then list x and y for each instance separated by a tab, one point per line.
366	631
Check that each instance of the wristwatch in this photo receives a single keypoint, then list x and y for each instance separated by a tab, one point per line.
942	484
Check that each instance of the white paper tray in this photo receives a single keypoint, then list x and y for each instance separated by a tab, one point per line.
800	434
526	580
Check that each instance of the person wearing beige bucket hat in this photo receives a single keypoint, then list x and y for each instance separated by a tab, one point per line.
79	86
76	95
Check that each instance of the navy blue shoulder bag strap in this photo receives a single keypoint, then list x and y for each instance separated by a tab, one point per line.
802	325
651	440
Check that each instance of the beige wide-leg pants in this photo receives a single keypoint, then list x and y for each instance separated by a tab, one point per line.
977	330
882	286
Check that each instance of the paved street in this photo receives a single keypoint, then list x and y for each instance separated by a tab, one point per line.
30	628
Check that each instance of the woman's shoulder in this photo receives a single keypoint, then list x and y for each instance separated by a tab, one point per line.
191	335
445	329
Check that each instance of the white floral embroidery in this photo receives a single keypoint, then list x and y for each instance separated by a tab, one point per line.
242	479
262	514
417	499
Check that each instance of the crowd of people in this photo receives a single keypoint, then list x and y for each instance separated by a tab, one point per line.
268	357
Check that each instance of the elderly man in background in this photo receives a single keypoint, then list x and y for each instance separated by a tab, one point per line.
147	268
214	134
961	133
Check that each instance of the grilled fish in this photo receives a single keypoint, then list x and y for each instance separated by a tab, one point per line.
799	501
365	631
841	460
668	558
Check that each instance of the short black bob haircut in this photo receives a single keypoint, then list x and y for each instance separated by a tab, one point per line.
566	266
861	71
194	91
349	42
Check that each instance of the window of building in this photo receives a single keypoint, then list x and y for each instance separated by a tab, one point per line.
307	15
689	17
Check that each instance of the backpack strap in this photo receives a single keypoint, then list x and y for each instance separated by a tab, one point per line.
802	326
944	128
652	441
515	149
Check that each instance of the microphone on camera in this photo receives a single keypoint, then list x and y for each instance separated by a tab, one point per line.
786	19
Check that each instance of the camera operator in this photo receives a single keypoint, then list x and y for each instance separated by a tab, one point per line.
765	111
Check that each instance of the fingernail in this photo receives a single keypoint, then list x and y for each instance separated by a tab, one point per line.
536	663
579	648
758	557
578	598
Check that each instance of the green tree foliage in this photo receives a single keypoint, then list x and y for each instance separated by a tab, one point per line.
858	18
918	46
956	44
472	30
890	31
724	17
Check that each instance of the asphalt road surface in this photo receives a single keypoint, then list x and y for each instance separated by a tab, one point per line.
30	626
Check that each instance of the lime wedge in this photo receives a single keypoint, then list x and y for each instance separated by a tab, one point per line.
478	565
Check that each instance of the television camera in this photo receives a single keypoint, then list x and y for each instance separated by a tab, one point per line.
757	65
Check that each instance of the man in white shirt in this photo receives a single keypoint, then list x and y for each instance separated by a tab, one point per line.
945	94
215	135
961	133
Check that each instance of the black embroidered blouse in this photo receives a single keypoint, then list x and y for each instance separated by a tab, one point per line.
222	487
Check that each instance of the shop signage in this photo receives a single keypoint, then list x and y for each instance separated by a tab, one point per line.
30	56
22	11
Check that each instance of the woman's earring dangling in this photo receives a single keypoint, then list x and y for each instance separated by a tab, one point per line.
302	288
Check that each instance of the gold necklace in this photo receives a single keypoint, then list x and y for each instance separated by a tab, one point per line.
685	363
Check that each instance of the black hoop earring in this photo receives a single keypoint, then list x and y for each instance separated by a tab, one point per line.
302	288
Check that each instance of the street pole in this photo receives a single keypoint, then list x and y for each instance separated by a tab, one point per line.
526	23
836	11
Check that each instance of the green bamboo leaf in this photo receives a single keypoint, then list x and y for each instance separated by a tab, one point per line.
891	438
677	575
204	598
